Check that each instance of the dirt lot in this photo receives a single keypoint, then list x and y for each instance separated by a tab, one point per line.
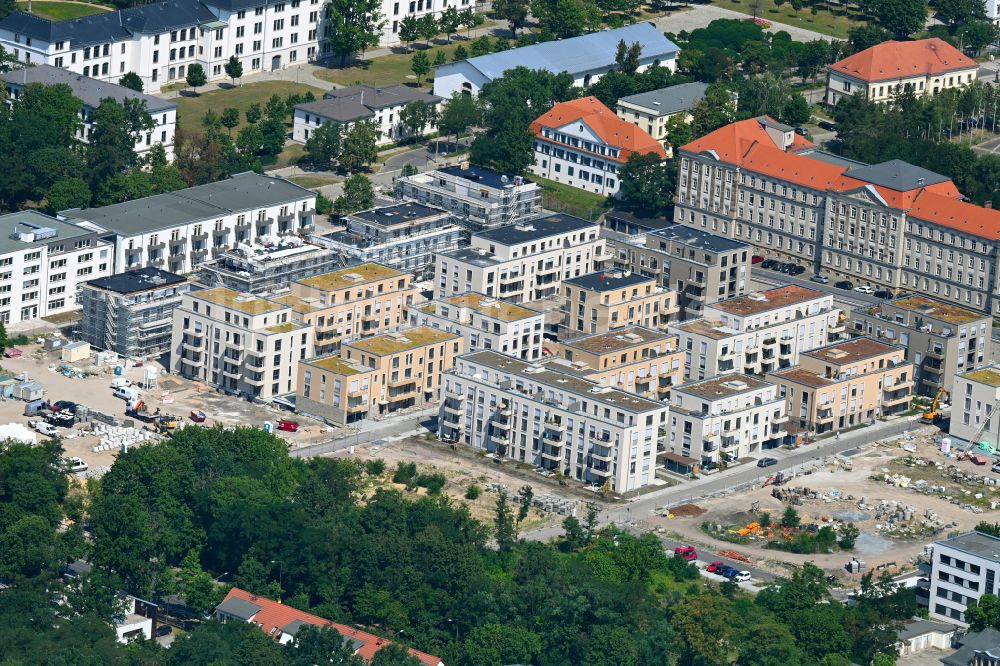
840	492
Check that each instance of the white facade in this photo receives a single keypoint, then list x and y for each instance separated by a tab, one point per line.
585	431
485	323
757	333
975	396
593	166
346	106
963	568
726	418
993	10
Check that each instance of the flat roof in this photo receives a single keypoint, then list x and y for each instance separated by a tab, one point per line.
142	279
563	381
989	376
536	229
672	99
935	309
492	306
896	175
609	280
230	298
287	327
706	327
807	377
89	91
334	363
851	351
699	239
400	213
603	343
36	229
300	305
351	276
975	543
402	340
764	301
483	176
473	255
725	386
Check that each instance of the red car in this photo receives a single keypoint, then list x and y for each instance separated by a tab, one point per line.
288	426
714	567
756	259
687	552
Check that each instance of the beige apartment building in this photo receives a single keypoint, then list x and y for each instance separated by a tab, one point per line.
975	400
377	375
241	343
350	303
893	225
846	384
635	359
941	339
612	300
522	262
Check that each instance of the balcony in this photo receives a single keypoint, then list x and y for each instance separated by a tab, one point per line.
837	328
602	453
192	346
500	440
895	396
455	410
605	472
401	381
242	227
356	407
729	442
555	425
603	254
935	353
780	419
552	453
199	238
371	316
511	278
600	439
548	270
824	415
255	381
231	372
554	440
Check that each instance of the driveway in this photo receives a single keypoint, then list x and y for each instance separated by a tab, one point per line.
701	15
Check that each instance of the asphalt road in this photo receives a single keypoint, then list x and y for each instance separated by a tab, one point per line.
852	298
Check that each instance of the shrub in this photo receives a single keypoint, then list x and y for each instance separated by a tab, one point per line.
432	482
472	492
375	467
405	473
323	204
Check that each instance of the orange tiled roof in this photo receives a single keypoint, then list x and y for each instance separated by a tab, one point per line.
611	129
273	616
948	211
896	60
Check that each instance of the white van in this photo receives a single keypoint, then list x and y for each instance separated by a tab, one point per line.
126	393
119	382
46	428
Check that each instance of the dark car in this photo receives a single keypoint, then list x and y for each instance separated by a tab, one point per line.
64	405
756	259
769	264
767	462
827	125
883	294
730	572
787	268
796	270
164	630
844	284
802	131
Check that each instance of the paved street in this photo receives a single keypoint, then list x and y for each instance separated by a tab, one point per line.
701	15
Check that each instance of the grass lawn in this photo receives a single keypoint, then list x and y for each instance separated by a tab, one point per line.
387	70
190	110
60	11
565	199
312	182
834	20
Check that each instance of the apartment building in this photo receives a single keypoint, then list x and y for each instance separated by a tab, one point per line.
758	333
241	343
346	106
405	236
963	569
377	375
43	263
700	267
611	300
653	110
267	265
350	303
179	230
846	384
131	313
881	72
892	225
941	339
522	262
485	322
92	92
637	360
975	397
478	198
723	419
558	421
583	144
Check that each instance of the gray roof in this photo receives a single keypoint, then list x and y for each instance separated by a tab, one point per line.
482	176
830	158
608	280
244	191
987	640
407	211
920	627
576	55
667	101
141	279
357	102
540	227
475	256
25	221
896	175
238	608
975	543
90	91
700	239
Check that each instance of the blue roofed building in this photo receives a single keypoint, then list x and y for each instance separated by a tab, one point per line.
586	58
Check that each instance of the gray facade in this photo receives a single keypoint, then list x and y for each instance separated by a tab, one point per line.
259	269
131	313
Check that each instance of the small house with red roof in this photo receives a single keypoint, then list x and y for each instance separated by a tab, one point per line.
583	144
282	623
924	66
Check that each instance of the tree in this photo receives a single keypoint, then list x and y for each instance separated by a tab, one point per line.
470	20
254	113
627	57
409	30
323	145
450	21
358	195
322	645
848	536
196	76
901	18
440	58
647	185
132	81
796	111
984	614
515	12
359	146
29	548
714	110
233	69
790	518
117	127
420	65
459	54
957	13
276	108
494	643
415	116
66	194
525	494
428	27
230	118
866	36
977	35
353	26
273	135
481	46
460	113
566	18
394	654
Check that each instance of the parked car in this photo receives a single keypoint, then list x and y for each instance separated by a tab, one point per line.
802	131
724	570
164	630
197	416
827	125
74	464
796	270
714	567
769	264
822	279
756	259
61	405
884	294
846	285
742	576
288	426
767	462
730	573
45	428
864	289
786	267
686	552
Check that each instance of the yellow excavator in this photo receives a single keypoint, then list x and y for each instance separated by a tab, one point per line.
932	414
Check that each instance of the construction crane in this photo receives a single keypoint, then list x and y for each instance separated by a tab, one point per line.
974	440
932	415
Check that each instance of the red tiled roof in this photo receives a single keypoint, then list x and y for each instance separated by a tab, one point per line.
948	211
273	616
897	60
611	129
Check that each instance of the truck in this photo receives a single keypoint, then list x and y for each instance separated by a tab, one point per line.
137	410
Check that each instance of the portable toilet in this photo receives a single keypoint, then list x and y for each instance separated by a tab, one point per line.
75	352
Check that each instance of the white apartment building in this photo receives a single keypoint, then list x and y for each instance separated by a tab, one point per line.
241	343
485	322
975	396
653	110
353	104
43	264
533	414
726	418
179	230
993	10
759	332
522	262
92	92
963	568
